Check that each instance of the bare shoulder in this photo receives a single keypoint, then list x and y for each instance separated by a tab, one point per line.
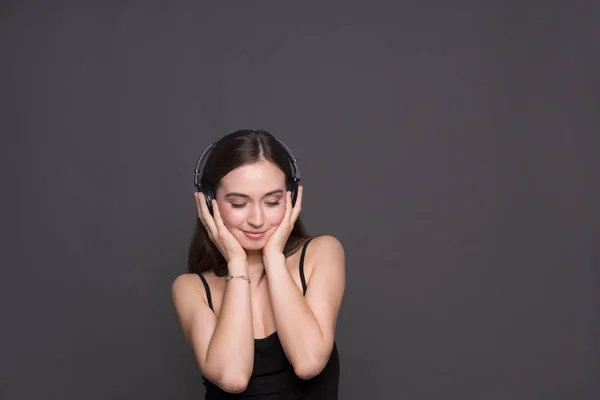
325	246
326	252
185	282
187	286
326	243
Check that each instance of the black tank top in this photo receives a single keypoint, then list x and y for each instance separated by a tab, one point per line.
273	376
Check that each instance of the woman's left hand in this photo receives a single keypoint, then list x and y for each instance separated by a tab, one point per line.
276	243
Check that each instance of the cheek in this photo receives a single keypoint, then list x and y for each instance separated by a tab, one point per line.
275	215
229	216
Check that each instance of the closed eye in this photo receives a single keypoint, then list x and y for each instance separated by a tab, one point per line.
270	204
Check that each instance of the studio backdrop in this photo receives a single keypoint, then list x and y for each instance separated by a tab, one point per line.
452	147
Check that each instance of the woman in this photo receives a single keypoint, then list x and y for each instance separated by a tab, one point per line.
259	304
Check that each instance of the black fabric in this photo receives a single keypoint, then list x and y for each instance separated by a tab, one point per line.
301	266
207	289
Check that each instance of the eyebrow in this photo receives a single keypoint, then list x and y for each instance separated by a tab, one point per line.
272	192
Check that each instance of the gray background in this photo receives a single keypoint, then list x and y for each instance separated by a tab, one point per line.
452	148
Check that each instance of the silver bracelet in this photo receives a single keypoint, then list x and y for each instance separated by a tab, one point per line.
244	277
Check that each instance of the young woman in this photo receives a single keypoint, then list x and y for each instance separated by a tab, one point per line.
261	299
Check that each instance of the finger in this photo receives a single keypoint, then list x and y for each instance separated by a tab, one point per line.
218	220
298	205
199	201
288	206
207	219
199	208
201	214
222	233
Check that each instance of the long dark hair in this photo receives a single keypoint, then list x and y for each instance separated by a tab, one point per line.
232	151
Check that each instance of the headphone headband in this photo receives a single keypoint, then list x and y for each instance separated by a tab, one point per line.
199	171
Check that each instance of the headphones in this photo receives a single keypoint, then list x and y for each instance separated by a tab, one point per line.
209	193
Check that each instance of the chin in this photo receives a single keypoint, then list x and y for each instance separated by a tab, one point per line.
251	245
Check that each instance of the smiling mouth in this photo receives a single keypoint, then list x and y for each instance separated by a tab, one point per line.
254	235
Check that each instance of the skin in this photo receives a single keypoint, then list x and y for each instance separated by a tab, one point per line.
223	340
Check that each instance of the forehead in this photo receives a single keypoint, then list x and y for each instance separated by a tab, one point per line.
257	177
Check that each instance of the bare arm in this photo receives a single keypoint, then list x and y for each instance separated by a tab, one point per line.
306	324
223	346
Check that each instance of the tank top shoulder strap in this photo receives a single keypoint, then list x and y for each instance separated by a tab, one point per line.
207	289
301	266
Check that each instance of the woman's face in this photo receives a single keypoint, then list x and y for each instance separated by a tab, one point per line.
251	200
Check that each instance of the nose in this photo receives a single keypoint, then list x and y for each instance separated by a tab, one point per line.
255	218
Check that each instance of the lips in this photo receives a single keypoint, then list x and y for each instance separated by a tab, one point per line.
254	234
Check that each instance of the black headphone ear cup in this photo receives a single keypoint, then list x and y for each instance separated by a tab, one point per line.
292	187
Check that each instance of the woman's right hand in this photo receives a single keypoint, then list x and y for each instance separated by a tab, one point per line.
218	233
